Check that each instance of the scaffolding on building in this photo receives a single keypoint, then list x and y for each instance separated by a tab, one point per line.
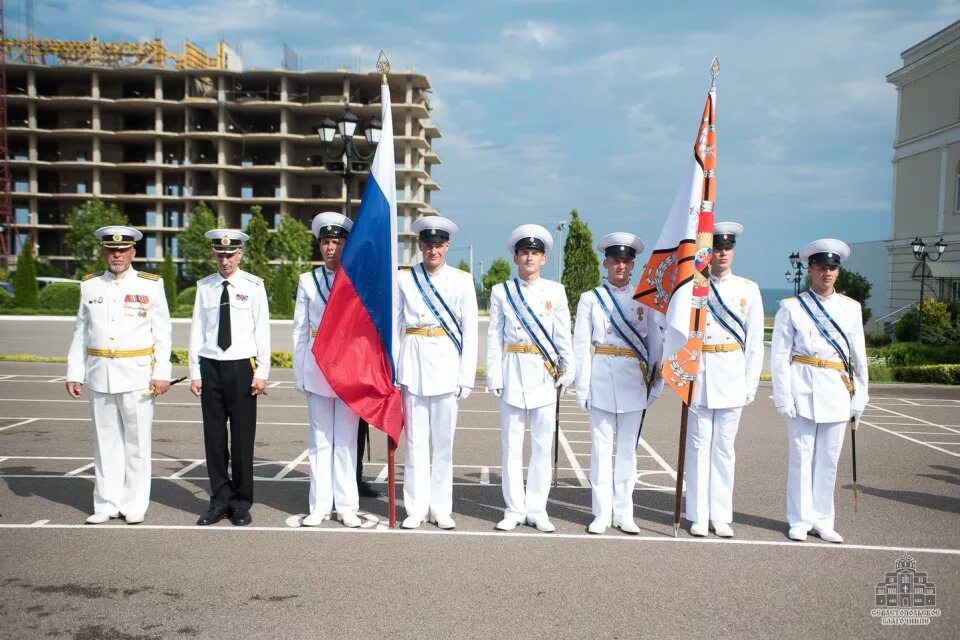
99	53
8	231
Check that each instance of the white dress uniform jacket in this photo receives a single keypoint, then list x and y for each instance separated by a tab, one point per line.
249	316
726	378
432	366
819	393
525	381
125	313
306	320
613	383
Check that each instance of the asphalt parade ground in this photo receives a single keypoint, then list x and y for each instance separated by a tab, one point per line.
167	578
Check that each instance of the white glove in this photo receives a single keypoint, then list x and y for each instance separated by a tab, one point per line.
856	416
298	385
463	393
749	399
496	392
584	404
789	411
564	381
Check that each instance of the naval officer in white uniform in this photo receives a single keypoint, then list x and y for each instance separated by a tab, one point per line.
332	448
529	359
617	347
229	359
726	383
121	351
819	367
437	368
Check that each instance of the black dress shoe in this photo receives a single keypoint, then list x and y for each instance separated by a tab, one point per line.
366	491
213	516
240	518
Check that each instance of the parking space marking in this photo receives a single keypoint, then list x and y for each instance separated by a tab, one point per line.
921	420
187	469
78	470
577	469
384	473
292	465
484	475
900	435
19	424
532	534
656	456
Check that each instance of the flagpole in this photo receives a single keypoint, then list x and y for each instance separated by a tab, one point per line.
391	481
681	459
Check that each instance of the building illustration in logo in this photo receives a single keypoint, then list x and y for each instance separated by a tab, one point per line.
905	586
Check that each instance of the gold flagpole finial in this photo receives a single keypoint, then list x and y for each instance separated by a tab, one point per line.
383	66
714	71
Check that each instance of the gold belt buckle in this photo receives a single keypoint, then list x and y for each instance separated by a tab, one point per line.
111	353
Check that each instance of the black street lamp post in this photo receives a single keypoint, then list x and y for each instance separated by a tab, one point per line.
345	128
921	254
795	276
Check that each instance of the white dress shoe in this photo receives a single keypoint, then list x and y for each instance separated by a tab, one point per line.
314	519
507	524
411	522
134	518
628	525
444	522
699	529
351	520
723	530
798	532
542	524
598	526
827	535
99	518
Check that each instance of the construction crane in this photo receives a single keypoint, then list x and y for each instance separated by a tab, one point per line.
8	231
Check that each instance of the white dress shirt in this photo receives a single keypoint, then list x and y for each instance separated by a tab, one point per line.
123	313
819	393
525	381
249	322
432	366
306	320
614	383
726	378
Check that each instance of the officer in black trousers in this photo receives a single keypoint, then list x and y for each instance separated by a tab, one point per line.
363	487
229	360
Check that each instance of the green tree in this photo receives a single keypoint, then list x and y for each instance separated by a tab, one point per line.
499	272
281	295
463	266
26	291
292	245
81	242
581	269
936	319
195	247
169	275
256	259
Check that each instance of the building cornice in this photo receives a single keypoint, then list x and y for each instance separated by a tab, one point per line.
929	141
936	51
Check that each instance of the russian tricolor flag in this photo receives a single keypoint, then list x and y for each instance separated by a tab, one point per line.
357	342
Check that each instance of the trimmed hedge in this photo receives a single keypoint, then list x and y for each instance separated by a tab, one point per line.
6	300
278	359
935	374
186	297
878	339
909	354
60	295
20	311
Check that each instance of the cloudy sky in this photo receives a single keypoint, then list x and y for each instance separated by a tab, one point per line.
551	105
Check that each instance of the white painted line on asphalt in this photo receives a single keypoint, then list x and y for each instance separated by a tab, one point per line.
656	456
383	475
190	467
59	419
533	534
19	424
926	422
577	469
292	465
58	379
273	385
7	377
947	443
4	459
484	475
39	523
900	435
929	433
78	470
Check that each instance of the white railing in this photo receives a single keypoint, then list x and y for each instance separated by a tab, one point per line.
896	315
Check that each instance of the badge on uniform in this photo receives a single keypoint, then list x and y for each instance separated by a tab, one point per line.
743	305
242	297
640	313
548	305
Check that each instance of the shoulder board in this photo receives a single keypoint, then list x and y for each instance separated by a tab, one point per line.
148	275
789	299
91	275
209	278
747	280
253	278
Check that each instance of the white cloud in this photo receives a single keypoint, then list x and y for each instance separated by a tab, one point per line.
543	35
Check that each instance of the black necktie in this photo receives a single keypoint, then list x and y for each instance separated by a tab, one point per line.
224	338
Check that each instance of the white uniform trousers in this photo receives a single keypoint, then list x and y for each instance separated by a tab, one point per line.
333	456
122	464
533	503
613	482
428	481
813	450
710	461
